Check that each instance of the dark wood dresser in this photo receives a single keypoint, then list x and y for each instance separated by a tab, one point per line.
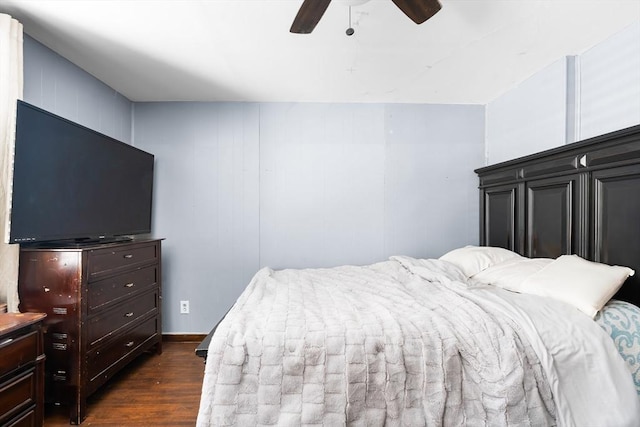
21	369
103	306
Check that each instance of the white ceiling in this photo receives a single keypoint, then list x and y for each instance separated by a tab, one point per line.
241	50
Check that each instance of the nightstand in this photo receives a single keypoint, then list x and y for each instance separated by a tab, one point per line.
21	369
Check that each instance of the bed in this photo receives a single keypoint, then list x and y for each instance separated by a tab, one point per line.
538	325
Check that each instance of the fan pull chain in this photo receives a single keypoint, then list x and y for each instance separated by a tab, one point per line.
350	30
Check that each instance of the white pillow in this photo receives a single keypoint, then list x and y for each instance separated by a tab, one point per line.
473	259
510	274
586	285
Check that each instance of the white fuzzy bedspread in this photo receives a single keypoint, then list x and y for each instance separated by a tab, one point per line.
374	345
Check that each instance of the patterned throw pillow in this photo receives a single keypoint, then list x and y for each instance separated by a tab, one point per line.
622	321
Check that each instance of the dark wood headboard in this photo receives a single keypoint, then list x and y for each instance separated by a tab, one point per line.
581	198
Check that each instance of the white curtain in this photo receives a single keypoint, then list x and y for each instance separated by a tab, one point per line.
10	90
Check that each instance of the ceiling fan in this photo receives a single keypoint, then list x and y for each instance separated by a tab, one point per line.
312	10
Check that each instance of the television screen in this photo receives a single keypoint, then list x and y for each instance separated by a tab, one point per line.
73	183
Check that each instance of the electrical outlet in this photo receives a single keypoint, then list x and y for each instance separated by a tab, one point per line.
184	307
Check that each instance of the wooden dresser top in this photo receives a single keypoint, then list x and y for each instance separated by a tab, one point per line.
10	322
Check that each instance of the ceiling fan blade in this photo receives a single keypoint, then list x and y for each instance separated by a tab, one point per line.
418	10
308	16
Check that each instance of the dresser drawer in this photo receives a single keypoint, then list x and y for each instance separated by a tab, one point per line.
103	325
112	261
17	394
28	419
117	287
17	352
100	360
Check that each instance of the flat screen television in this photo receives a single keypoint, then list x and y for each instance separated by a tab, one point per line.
72	184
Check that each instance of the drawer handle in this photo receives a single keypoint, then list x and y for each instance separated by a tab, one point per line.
59	346
128	256
130	314
129	344
59	377
129	285
7	341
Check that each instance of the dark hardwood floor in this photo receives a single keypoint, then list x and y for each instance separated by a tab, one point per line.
154	390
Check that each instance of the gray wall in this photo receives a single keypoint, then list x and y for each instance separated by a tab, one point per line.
575	98
56	85
241	186
610	84
530	117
